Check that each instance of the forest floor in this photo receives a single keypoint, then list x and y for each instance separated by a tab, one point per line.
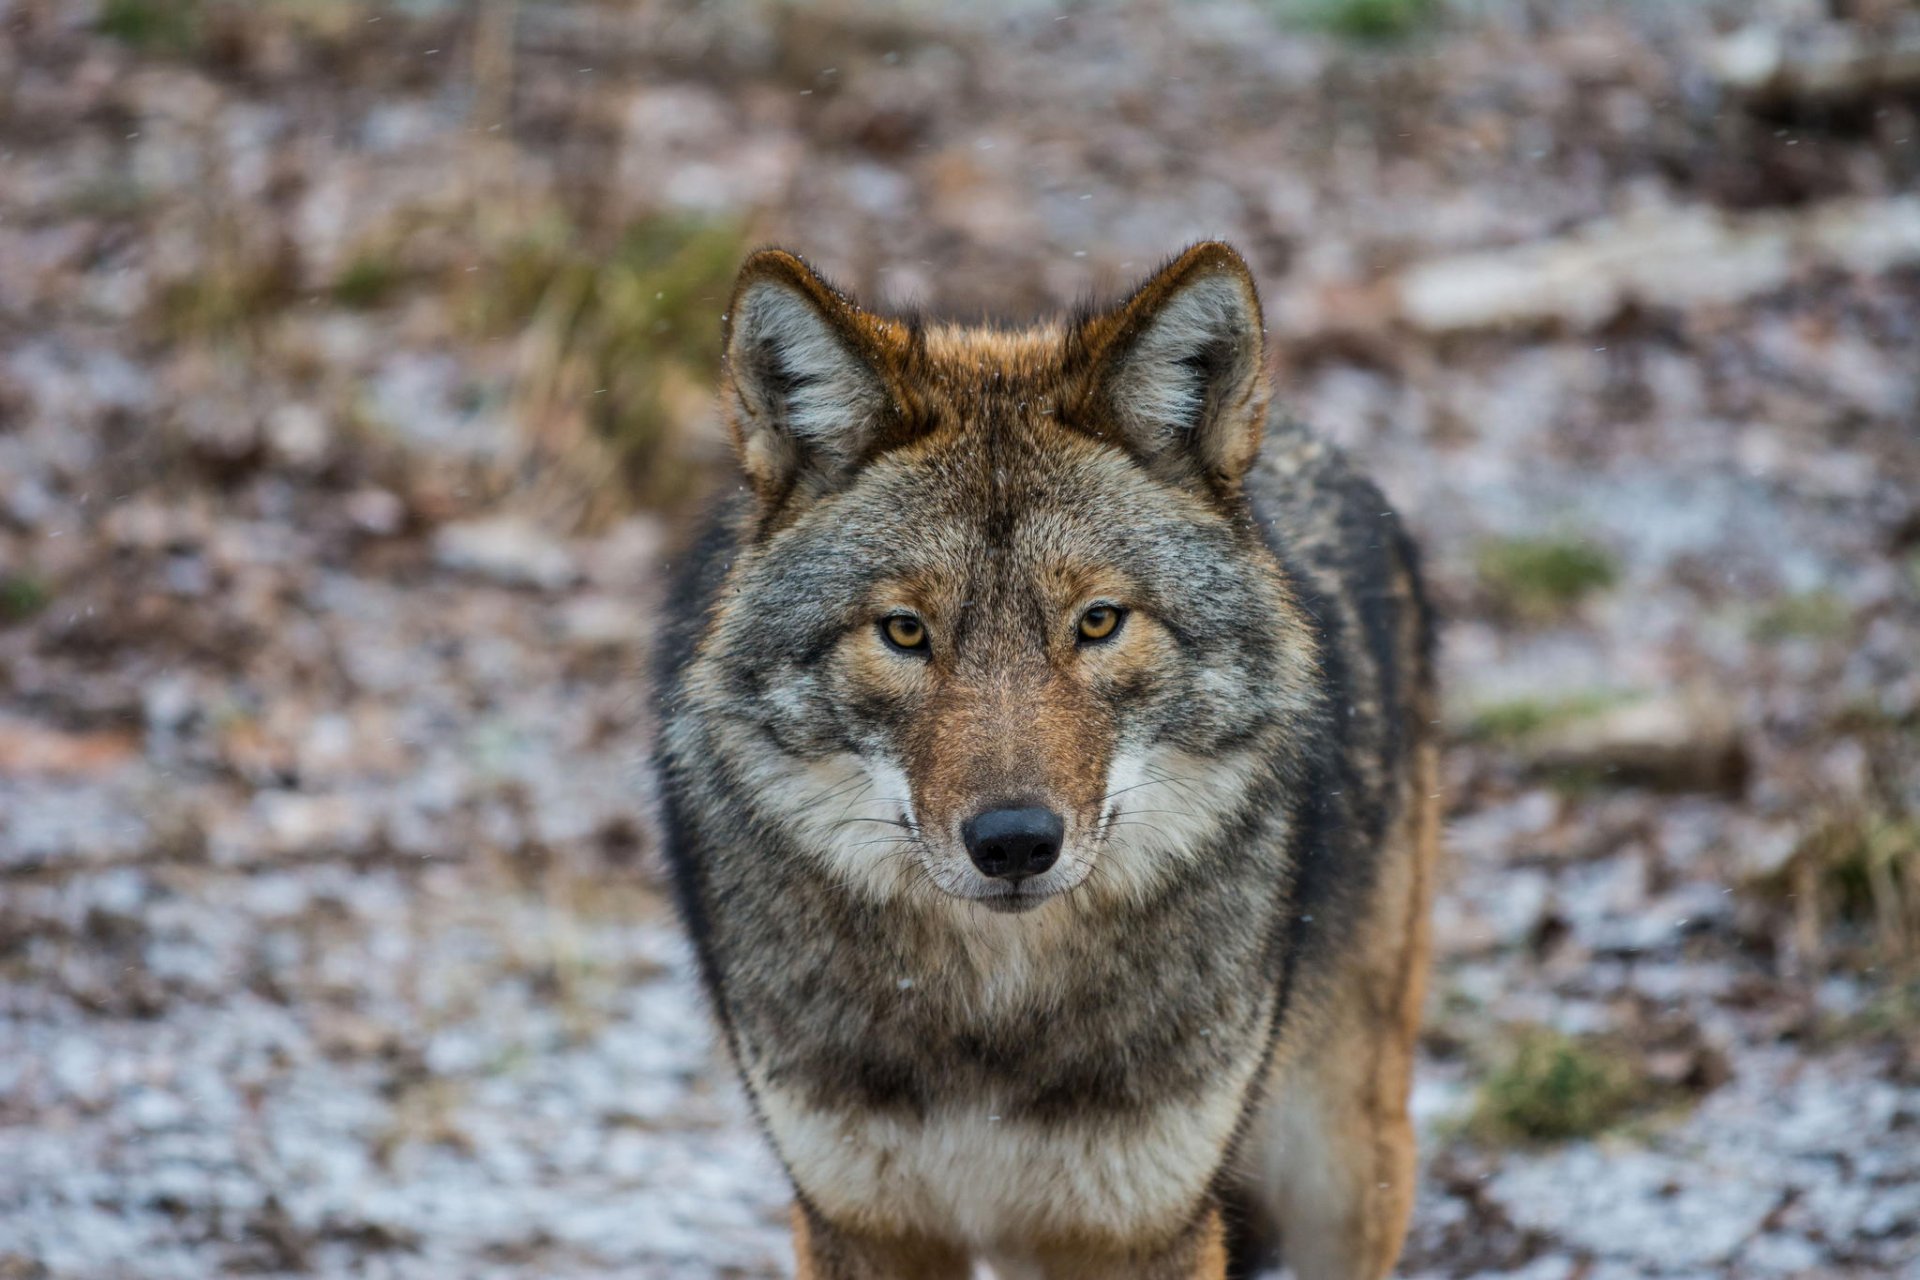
355	364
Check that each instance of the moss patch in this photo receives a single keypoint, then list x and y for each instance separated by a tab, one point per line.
1518	719
21	596
367	282
1551	1087
1542	578
159	26
1363	19
1813	615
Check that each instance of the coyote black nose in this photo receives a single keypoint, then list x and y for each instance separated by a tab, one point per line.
1011	844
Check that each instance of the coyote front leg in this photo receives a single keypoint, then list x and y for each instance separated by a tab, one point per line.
828	1252
1198	1253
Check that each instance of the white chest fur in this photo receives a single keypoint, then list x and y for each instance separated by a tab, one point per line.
998	1183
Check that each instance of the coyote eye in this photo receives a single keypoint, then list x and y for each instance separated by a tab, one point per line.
1100	623
904	632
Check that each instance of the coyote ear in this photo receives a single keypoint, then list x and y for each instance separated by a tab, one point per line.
1177	372
805	390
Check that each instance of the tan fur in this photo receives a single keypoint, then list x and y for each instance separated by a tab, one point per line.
829	1252
1331	1154
825	1252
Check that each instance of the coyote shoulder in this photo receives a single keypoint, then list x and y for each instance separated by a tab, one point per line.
1049	789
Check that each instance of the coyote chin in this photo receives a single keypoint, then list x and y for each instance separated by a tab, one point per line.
1048	775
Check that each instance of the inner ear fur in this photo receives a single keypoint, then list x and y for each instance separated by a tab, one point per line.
1176	374
810	384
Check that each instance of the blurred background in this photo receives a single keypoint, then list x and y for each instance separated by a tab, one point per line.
355	373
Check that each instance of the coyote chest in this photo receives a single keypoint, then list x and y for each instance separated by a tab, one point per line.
971	1174
1019	1116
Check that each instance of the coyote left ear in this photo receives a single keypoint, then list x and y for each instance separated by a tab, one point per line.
806	387
1177	373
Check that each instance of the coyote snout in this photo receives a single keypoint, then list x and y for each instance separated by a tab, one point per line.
1014	844
1016	852
1012	853
1006	748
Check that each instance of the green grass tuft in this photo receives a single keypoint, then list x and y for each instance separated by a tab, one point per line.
1553	1087
170	26
1541	578
1813	615
367	282
1517	719
21	596
228	299
1373	20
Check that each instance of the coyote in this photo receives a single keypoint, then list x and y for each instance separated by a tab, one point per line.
1050	791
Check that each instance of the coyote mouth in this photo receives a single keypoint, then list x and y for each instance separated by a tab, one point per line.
1013	904
1016	900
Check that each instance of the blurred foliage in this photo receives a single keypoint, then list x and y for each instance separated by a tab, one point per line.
215	30
618	346
111	196
1516	719
1541	578
21	596
226	299
1812	615
1854	882
153	26
426	1112
1363	19
1891	1013
368	281
1552	1087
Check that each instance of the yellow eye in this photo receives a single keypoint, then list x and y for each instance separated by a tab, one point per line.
904	631
1100	622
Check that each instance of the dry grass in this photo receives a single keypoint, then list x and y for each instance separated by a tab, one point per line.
1363	19
1811	615
22	595
1854	889
1538	579
616	351
227	300
1550	1087
1515	720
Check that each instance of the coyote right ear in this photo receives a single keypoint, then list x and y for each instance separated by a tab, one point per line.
1178	371
806	390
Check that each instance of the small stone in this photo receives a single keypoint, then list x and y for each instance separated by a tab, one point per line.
603	622
510	550
1678	258
298	435
27	748
1683	743
377	512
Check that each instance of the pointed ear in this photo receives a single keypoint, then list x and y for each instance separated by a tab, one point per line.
1177	373
805	388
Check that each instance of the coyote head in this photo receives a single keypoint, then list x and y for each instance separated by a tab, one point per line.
1000	623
